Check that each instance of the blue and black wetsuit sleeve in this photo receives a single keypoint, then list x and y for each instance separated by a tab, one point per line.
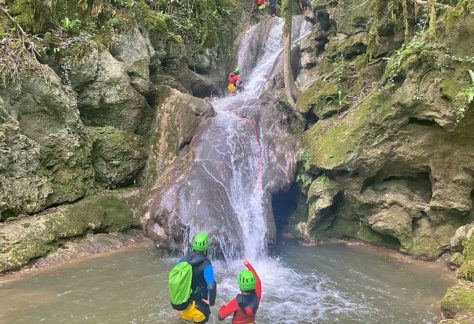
211	284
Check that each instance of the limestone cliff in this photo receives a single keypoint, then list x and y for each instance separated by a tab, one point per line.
388	100
97	96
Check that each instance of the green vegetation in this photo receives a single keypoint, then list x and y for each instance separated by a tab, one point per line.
458	299
466	271
467	97
304	166
71	26
198	20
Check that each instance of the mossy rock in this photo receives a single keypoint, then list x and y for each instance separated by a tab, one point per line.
354	20
468	244
331	142
458	303
32	237
457	259
344	228
117	156
466	271
321	97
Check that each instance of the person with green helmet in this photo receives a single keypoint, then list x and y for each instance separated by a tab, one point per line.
235	84
244	306
203	284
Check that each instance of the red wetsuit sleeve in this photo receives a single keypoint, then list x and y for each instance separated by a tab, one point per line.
227	309
258	286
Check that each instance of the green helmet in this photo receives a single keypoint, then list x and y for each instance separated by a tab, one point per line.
237	69
246	280
200	242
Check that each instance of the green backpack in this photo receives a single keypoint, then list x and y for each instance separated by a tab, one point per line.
179	282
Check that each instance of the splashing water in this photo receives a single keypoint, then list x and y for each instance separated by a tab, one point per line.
258	54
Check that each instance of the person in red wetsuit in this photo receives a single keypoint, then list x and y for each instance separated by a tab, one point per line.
245	305
235	83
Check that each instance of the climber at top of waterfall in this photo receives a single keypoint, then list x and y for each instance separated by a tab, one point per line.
203	284
245	305
272	5
303	4
235	83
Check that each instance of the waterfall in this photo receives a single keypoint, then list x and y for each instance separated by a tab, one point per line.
258	54
236	160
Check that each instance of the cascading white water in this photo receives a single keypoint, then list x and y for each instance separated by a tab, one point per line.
246	149
257	58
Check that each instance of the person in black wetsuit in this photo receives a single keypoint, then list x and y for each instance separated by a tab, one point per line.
203	284
272	5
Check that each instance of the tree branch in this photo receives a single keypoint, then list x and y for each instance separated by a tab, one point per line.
426	3
17	25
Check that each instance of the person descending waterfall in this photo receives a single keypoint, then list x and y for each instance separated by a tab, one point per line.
203	287
303	4
245	305
235	84
272	5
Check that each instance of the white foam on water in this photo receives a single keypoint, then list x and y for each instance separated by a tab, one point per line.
291	297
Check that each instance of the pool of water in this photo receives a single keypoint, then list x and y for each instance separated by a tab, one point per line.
324	284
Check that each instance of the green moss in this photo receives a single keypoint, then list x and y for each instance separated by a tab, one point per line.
469	247
457	259
151	19
331	141
318	95
34	237
453	15
109	213
343	228
458	301
320	183
466	271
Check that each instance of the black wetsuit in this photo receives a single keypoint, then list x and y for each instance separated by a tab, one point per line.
203	284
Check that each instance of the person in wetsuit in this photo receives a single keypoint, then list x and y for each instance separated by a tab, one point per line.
203	284
244	306
235	84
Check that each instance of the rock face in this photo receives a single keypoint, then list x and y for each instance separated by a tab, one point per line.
111	100
179	115
205	187
46	156
33	237
117	156
136	52
372	134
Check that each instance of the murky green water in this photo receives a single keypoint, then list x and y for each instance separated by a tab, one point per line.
326	284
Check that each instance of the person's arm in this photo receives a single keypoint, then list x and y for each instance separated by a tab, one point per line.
227	309
211	284
258	286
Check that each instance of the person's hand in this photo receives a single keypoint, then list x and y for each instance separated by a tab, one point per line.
246	262
206	301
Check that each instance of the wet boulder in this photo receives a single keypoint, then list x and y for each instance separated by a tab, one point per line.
212	187
176	122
